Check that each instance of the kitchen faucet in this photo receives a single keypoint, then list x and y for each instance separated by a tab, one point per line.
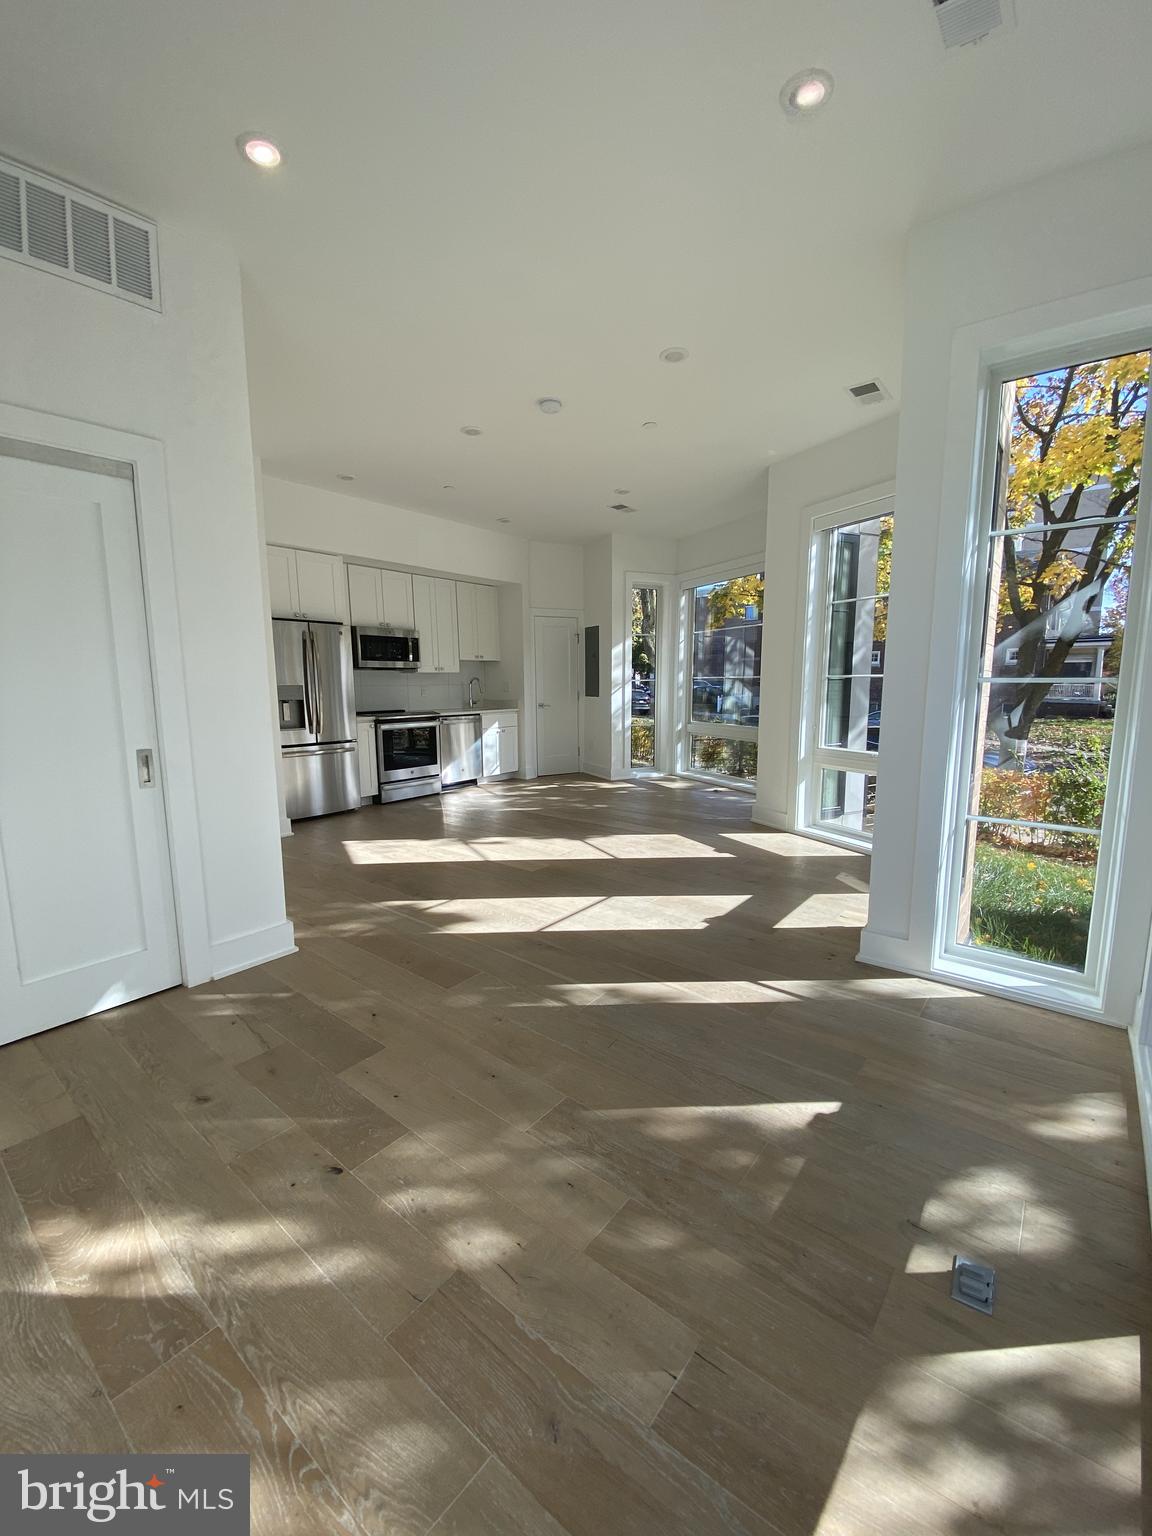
473	682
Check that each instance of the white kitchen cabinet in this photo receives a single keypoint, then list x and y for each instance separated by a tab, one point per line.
478	621
283	590
396	598
306	585
366	758
364	603
500	740
379	597
436	622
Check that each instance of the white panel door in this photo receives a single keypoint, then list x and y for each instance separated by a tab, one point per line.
557	699
487	623
87	916
323	587
396	598
283	592
364	604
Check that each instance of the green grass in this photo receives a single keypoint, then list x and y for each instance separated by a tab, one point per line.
1030	905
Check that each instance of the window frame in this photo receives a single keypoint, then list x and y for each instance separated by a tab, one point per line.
666	671
685	726
813	757
1040	981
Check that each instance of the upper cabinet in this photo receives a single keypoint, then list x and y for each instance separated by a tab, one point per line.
305	585
435	616
378	597
479	621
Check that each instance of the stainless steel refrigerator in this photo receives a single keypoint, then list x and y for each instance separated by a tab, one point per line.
317	715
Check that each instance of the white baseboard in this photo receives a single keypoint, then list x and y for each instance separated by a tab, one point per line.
597	770
774	819
1142	1063
248	949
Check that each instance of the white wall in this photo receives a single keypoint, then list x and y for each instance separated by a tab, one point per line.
556	576
1054	265
307	518
726	544
179	377
795	486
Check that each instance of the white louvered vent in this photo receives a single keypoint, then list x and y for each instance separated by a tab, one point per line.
48	224
967	21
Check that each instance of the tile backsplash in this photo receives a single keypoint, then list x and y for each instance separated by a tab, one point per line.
414	690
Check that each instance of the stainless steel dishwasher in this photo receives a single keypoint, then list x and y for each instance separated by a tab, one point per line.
461	760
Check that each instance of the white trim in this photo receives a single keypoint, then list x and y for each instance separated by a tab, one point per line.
811	651
1059	985
943	482
746	786
664	697
685	726
255	948
146	457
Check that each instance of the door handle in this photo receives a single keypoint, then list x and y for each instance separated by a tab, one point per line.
307	669
542	706
316	685
144	773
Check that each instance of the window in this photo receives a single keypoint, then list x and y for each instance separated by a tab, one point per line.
642	690
1046	689
725	627
848	621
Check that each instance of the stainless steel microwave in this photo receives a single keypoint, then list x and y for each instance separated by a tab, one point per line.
396	650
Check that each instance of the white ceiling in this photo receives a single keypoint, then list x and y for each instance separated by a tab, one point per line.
486	201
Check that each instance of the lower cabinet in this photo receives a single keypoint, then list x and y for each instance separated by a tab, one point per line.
501	743
366	757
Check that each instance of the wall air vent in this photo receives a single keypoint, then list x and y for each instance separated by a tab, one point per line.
967	21
871	392
47	224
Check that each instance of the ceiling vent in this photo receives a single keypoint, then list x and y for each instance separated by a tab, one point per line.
967	21
871	392
47	224
621	506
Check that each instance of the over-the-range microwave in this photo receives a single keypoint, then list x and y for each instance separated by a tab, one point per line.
396	650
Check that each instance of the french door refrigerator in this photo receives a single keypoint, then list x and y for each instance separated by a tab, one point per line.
317	716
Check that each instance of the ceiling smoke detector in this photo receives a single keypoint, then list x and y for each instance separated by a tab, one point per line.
967	21
674	355
806	92
871	392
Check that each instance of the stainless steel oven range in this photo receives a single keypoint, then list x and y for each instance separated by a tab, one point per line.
407	756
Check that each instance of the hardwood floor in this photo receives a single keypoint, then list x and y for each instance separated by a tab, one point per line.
573	1177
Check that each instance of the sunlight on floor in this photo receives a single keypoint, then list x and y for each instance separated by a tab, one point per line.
501	850
827	911
787	845
578	914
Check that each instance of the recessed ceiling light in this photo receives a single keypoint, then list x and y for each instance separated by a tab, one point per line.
674	354
503	519
648	425
447	487
261	152
621	490
550	405
345	477
472	431
806	92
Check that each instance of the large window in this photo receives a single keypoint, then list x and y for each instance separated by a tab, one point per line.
852	565
725	622
1040	793
642	690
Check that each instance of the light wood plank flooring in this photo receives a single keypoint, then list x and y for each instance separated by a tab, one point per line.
573	1177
